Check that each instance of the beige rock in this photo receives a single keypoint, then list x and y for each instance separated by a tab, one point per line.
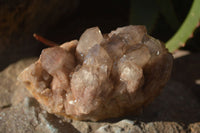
165	127
125	126
194	128
11	91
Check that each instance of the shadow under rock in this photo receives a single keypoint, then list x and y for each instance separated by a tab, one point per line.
62	127
179	101
187	71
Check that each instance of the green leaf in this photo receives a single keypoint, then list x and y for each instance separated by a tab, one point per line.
186	29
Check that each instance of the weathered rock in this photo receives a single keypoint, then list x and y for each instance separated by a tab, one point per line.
125	126
105	77
84	127
28	117
194	128
164	127
11	92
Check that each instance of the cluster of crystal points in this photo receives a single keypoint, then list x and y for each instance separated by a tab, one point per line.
100	76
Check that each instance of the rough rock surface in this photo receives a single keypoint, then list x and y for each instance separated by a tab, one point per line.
176	109
104	77
27	116
11	91
125	126
195	127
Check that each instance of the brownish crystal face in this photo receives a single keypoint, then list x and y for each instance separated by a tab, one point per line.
100	77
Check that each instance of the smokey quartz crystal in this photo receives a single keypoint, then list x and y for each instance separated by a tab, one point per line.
100	76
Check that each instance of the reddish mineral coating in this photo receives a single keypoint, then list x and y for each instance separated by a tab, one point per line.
100	77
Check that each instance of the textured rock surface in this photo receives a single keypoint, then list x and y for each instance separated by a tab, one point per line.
11	91
125	126
105	77
176	109
27	116
194	128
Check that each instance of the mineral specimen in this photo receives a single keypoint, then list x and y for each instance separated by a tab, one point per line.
100	76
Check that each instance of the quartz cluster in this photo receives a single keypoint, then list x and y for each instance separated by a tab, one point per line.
100	76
